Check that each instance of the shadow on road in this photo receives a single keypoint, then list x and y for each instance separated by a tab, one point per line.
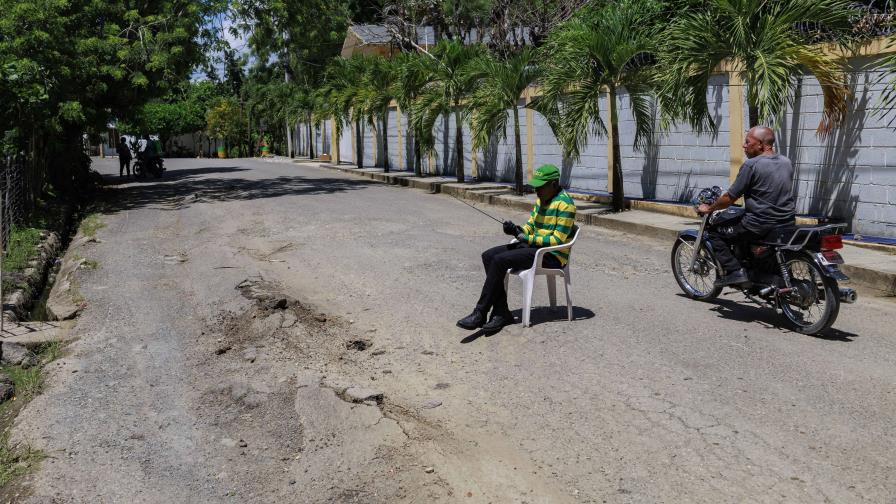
733	310
180	188
176	174
541	315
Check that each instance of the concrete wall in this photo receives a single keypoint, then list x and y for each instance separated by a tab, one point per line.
677	162
848	174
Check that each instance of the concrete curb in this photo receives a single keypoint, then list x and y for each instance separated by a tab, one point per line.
589	212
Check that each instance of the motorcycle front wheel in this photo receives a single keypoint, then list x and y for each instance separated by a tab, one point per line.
814	303
697	282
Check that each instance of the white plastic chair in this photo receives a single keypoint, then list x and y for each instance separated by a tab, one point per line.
551	274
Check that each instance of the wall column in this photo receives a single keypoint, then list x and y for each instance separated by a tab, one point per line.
398	148
530	135
334	145
735	123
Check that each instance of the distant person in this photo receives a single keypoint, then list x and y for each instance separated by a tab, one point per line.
124	157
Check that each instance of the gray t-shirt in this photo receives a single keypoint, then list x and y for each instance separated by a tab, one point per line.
766	183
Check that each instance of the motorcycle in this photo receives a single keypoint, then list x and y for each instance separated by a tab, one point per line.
143	166
794	270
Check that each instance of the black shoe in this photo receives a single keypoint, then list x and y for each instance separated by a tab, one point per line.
735	277
497	322
472	321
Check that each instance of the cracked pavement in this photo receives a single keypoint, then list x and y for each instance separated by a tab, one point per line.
646	397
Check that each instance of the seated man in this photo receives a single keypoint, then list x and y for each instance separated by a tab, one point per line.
766	182
549	224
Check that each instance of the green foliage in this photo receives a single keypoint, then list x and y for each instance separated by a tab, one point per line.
302	36
601	51
501	84
888	99
225	119
21	248
71	66
27	382
761	38
449	83
91	224
16	460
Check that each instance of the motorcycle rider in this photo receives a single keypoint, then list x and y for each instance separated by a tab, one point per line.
151	153
765	181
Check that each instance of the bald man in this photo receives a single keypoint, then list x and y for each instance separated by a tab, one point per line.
766	183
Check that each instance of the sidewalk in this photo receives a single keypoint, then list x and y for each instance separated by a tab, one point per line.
873	270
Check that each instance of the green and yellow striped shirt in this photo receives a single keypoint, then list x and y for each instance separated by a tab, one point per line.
552	225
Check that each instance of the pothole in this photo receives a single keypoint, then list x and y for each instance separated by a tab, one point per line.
358	344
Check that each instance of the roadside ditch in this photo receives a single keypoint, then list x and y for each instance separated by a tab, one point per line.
32	271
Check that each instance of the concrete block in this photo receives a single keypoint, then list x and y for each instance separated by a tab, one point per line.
872	194
879	137
883	174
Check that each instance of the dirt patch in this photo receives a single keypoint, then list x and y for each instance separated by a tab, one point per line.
282	408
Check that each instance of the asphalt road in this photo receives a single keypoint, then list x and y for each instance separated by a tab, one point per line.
646	397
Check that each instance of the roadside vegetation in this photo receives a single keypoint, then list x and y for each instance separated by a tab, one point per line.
91	224
589	59
18	459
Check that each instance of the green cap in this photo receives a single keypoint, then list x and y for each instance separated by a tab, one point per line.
544	174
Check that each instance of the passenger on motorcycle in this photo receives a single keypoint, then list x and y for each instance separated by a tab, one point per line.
766	183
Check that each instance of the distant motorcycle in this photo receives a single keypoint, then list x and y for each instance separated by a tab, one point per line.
143	166
794	271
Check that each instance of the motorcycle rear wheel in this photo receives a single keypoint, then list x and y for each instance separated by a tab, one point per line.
815	304
698	283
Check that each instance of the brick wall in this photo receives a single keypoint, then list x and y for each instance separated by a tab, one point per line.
848	174
677	162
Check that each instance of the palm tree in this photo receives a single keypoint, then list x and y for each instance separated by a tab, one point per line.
449	84
501	83
770	46
343	90
888	99
378	89
411	78
604	50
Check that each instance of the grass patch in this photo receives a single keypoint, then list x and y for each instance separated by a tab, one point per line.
90	264
21	248
16	460
91	224
30	382
27	382
48	352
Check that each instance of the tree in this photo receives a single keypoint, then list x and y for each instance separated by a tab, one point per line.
225	120
765	40
378	88
410	82
69	67
343	90
298	37
450	83
603	50
501	84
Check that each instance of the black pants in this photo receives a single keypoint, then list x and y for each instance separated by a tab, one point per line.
124	164
497	260
721	245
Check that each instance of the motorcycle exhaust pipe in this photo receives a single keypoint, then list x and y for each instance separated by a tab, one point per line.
848	296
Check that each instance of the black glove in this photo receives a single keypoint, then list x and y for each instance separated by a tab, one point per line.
511	228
